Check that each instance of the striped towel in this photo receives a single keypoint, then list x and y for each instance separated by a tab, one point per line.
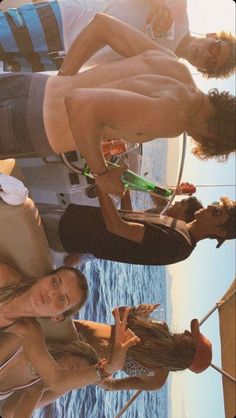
31	37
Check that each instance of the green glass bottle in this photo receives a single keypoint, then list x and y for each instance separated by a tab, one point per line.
133	181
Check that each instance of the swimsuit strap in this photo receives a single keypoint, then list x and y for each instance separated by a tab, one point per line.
10	391
11	358
9	361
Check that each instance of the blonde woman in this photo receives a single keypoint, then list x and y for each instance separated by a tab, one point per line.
20	386
147	362
70	373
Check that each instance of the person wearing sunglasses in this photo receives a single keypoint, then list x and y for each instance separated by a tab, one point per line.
213	55
136	237
37	36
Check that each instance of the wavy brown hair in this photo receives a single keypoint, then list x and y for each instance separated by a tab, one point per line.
222	124
228	67
158	347
78	347
18	285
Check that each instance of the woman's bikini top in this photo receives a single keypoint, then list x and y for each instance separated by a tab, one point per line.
8	362
135	369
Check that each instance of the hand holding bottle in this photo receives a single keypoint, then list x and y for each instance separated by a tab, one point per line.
111	182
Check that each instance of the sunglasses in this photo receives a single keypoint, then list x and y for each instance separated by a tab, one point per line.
214	49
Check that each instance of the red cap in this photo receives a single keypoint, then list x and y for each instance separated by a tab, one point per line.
203	354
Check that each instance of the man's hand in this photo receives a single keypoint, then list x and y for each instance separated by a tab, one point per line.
111	182
159	19
186	188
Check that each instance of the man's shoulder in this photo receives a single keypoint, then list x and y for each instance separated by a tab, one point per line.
171	226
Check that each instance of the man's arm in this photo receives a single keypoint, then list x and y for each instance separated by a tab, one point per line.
115	224
133	116
126	203
105	30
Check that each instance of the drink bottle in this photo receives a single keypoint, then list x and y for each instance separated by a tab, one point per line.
133	181
113	147
117	147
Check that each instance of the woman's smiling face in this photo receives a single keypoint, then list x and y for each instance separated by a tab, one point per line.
55	294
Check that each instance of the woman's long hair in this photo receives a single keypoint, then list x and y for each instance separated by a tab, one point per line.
160	348
18	285
78	347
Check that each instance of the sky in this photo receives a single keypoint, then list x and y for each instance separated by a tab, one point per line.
202	279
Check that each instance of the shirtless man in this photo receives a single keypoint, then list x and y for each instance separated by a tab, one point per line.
28	46
147	95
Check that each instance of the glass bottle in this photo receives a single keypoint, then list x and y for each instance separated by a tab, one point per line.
117	147
133	181
113	147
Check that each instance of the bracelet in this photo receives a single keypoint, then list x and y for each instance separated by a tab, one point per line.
111	386
100	371
100	174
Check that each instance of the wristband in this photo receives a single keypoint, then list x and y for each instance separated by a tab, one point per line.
111	386
100	174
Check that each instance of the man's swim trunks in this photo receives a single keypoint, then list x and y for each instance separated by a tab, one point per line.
22	131
31	37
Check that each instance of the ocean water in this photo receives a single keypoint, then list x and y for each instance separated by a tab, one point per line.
116	284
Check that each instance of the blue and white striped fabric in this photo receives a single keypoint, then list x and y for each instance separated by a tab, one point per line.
31	37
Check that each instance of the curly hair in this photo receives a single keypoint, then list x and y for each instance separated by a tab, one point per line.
193	204
228	67
222	123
